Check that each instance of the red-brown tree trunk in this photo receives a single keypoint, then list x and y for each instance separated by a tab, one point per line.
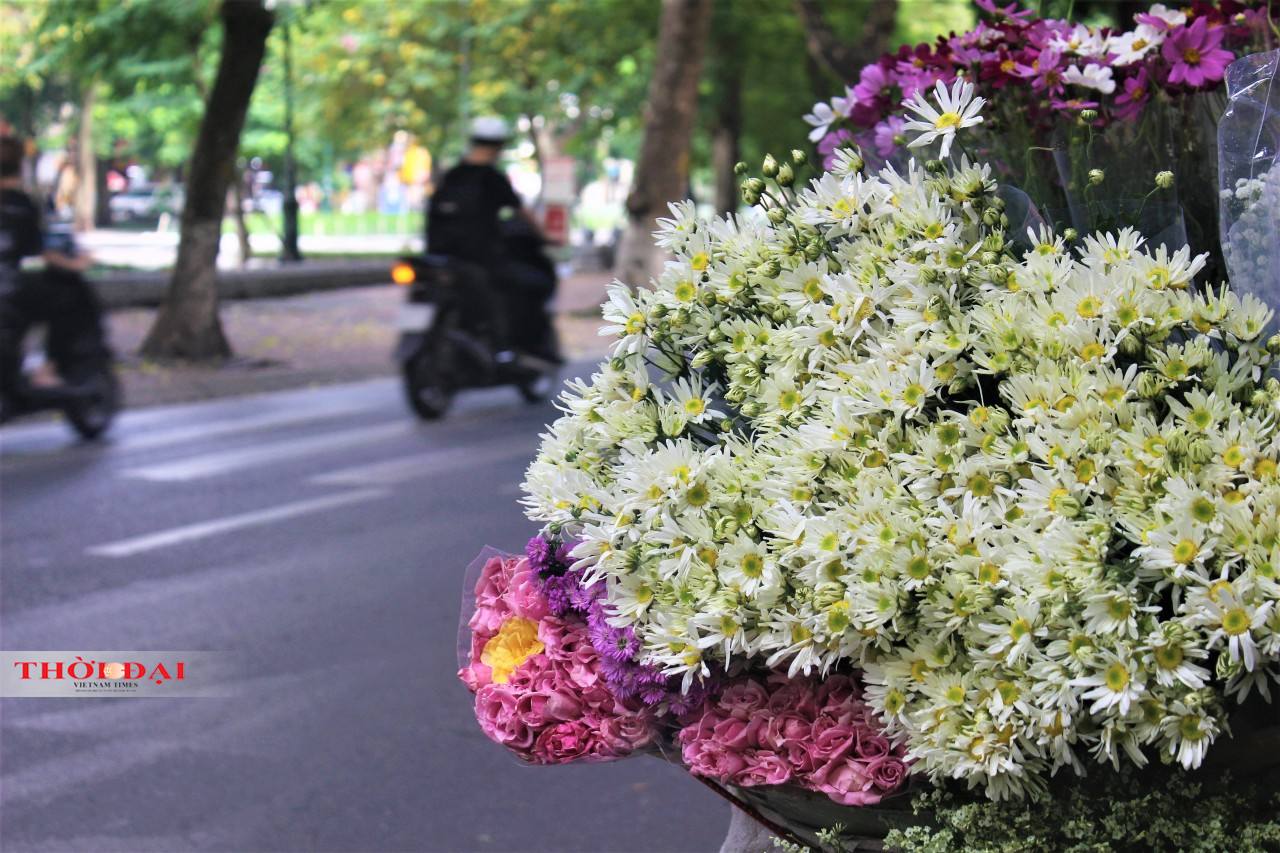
188	326
662	173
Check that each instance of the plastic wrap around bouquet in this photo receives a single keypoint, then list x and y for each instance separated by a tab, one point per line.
875	495
1249	169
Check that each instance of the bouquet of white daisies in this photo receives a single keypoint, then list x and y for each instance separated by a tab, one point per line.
1028	497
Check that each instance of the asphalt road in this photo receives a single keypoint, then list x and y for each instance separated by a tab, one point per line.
321	538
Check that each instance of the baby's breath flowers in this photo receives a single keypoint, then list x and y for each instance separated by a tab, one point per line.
1032	497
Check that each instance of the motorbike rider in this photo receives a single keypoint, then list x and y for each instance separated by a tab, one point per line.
25	300
475	216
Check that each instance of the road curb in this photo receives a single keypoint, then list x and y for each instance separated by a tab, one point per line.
147	289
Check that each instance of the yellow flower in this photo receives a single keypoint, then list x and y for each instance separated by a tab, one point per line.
516	641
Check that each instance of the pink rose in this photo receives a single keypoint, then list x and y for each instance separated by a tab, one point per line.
491	583
872	746
830	740
786	727
531	708
887	773
763	768
563	743
743	698
838	691
740	734
499	720
706	758
626	733
583	666
488	618
476	676
563	705
522	594
846	781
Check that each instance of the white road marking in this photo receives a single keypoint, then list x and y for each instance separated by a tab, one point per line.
405	468
178	435
226	461
204	529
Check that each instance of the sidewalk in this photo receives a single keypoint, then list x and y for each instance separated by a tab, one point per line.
315	339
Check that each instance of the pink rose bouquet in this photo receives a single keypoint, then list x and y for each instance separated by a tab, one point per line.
778	730
537	678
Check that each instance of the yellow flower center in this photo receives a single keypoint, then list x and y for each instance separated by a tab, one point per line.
1236	621
516	642
947	120
1117	677
1191	56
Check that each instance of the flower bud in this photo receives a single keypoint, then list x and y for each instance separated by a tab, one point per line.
1089	115
702	359
740	168
989	258
770	167
617	364
776	215
1150	385
1096	176
750	196
1164	180
786	175
799	157
935	167
1273	345
756	185
727	425
1071	235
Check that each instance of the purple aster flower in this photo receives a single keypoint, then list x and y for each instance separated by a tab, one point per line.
538	550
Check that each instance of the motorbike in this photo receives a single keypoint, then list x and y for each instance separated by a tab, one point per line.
451	340
87	391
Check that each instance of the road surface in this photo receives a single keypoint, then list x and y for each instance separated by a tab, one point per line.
321	537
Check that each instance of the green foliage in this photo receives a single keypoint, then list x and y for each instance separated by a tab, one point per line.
1160	808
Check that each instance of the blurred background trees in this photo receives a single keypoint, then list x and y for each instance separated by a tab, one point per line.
114	92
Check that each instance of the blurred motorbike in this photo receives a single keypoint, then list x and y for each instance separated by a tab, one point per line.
83	384
451	337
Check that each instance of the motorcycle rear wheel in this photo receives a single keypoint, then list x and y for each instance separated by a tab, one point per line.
91	415
429	386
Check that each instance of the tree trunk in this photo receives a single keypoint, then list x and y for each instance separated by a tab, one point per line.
237	216
727	136
845	60
86	165
187	325
662	173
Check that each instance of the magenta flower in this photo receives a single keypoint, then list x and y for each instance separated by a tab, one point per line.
889	137
1137	91
1195	55
1010	14
875	86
